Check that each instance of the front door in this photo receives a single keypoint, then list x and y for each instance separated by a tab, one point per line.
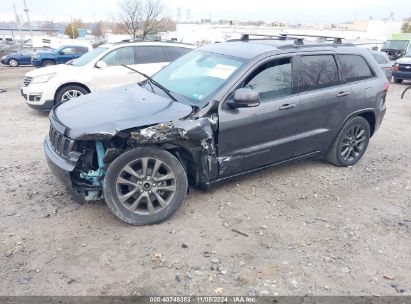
115	74
254	137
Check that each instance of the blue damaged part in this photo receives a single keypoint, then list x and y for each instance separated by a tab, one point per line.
96	176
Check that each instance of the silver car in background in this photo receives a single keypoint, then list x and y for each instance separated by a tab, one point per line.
384	62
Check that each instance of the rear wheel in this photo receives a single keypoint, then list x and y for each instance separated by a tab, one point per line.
13	62
145	186
351	143
396	80
47	63
69	92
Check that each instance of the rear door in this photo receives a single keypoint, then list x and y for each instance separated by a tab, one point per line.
324	102
174	52
150	59
250	138
115	74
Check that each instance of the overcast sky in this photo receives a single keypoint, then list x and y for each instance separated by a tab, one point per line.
304	11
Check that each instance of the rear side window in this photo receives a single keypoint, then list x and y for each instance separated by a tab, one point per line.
150	54
380	59
176	52
318	71
354	68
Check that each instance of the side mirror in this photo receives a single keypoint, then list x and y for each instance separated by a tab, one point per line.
101	64
245	98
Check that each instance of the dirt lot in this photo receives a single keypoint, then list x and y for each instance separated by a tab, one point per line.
312	228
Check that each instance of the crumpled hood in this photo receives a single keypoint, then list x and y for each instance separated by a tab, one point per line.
404	60
103	114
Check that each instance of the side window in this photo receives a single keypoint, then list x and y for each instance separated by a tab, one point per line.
272	80
81	50
354	68
68	51
318	71
150	54
124	55
380	59
176	52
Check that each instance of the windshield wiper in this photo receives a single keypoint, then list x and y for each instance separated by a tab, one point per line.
164	89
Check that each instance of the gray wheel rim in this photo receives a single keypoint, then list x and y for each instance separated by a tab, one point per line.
70	95
146	186
353	143
13	62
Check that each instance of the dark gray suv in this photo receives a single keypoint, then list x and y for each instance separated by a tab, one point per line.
220	111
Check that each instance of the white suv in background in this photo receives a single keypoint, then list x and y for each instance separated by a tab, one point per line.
97	70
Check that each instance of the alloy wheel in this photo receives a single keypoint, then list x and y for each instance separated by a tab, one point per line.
146	186
70	95
13	62
353	143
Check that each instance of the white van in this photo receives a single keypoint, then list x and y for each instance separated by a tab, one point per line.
97	70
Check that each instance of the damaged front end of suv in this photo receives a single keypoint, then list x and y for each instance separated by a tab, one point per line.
81	146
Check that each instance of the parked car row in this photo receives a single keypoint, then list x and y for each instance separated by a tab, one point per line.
22	57
44	56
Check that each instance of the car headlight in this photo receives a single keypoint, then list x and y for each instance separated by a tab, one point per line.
43	78
4	57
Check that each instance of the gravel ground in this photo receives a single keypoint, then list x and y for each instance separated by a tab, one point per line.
309	227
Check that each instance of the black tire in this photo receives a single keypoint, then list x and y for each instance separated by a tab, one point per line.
337	155
64	90
396	80
47	63
116	170
13	62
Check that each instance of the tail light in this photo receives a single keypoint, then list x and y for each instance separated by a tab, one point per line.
386	86
394	68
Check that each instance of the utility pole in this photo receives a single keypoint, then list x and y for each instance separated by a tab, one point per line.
17	21
28	19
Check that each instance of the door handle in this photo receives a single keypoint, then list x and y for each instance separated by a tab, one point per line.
341	94
287	106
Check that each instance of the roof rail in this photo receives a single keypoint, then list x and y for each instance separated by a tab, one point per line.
298	38
321	38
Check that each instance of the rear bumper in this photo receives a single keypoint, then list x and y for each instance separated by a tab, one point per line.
401	75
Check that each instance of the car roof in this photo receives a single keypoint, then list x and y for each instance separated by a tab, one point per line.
146	43
250	49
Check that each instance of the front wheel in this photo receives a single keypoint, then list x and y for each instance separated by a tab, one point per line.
47	63
351	143
69	92
145	185
13	63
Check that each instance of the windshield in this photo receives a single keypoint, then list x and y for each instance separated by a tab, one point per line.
87	57
197	75
396	44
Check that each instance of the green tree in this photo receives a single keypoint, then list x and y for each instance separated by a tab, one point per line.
71	31
406	27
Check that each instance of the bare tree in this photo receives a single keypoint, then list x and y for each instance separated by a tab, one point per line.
142	17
